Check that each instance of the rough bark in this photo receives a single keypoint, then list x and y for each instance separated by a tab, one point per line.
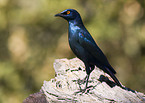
66	86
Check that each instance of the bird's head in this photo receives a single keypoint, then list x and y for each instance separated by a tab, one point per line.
69	14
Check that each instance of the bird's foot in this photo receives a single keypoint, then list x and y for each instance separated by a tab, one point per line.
86	90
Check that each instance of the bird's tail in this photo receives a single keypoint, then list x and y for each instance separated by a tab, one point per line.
114	77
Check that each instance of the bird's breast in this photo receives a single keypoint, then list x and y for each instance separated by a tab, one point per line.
73	29
73	40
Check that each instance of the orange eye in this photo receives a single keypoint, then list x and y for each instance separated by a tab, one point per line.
68	12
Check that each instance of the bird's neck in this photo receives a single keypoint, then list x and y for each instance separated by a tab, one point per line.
77	22
75	26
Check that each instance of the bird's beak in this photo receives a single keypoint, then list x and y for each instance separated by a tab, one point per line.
59	14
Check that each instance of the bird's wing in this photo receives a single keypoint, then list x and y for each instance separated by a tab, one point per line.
89	44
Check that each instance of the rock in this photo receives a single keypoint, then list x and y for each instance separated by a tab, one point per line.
38	97
65	87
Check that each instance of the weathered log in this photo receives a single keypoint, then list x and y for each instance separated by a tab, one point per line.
66	86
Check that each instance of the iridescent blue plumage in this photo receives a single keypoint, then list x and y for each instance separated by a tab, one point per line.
84	46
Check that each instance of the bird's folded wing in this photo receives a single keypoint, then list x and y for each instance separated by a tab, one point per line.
93	49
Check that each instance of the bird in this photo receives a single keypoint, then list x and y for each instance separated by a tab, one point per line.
84	47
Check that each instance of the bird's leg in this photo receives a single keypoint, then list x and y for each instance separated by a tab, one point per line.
85	90
87	80
89	69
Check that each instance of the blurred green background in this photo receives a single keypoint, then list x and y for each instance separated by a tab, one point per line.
31	38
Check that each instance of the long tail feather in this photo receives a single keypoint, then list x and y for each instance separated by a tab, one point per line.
114	78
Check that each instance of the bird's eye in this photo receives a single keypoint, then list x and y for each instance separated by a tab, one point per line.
68	12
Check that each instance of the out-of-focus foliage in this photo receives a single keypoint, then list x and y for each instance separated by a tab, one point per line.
31	38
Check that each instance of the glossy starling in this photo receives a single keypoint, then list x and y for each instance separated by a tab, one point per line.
84	46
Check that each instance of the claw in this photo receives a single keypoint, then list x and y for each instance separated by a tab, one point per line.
86	90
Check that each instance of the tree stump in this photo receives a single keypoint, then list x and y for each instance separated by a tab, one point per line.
66	86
